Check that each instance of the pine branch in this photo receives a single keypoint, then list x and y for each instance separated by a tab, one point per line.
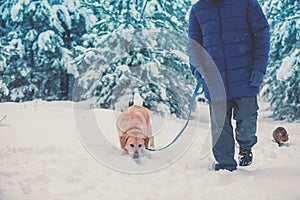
278	18
144	8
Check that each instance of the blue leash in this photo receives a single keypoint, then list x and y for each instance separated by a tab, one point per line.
199	84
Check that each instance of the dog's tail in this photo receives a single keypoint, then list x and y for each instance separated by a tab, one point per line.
137	99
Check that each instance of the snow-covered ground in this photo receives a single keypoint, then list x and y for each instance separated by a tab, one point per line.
41	157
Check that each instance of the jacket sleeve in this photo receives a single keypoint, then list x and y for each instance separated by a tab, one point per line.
194	30
259	28
195	40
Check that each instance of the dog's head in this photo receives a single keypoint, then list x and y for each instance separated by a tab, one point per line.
134	144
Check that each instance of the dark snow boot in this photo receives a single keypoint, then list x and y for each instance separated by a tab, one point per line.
230	168
245	157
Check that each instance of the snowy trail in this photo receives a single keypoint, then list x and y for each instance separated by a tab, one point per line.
41	157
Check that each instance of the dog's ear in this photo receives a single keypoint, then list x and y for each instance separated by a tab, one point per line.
123	139
146	139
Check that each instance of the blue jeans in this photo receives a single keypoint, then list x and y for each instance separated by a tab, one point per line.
244	111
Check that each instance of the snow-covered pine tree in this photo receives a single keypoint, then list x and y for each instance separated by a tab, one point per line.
42	35
4	54
282	84
135	48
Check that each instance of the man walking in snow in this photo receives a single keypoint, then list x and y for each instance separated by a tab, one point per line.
235	34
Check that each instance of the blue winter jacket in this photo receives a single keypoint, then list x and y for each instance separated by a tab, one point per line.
235	33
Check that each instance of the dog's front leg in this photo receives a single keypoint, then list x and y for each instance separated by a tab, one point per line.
151	139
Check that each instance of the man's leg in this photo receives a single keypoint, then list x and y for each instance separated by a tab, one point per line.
245	114
222	135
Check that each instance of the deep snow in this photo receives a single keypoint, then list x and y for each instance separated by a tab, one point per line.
41	157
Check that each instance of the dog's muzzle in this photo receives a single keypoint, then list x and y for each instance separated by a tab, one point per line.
136	155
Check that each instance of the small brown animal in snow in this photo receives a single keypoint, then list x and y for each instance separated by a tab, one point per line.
280	136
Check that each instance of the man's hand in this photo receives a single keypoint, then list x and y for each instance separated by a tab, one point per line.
256	78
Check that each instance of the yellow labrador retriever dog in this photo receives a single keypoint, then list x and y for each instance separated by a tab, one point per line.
135	131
